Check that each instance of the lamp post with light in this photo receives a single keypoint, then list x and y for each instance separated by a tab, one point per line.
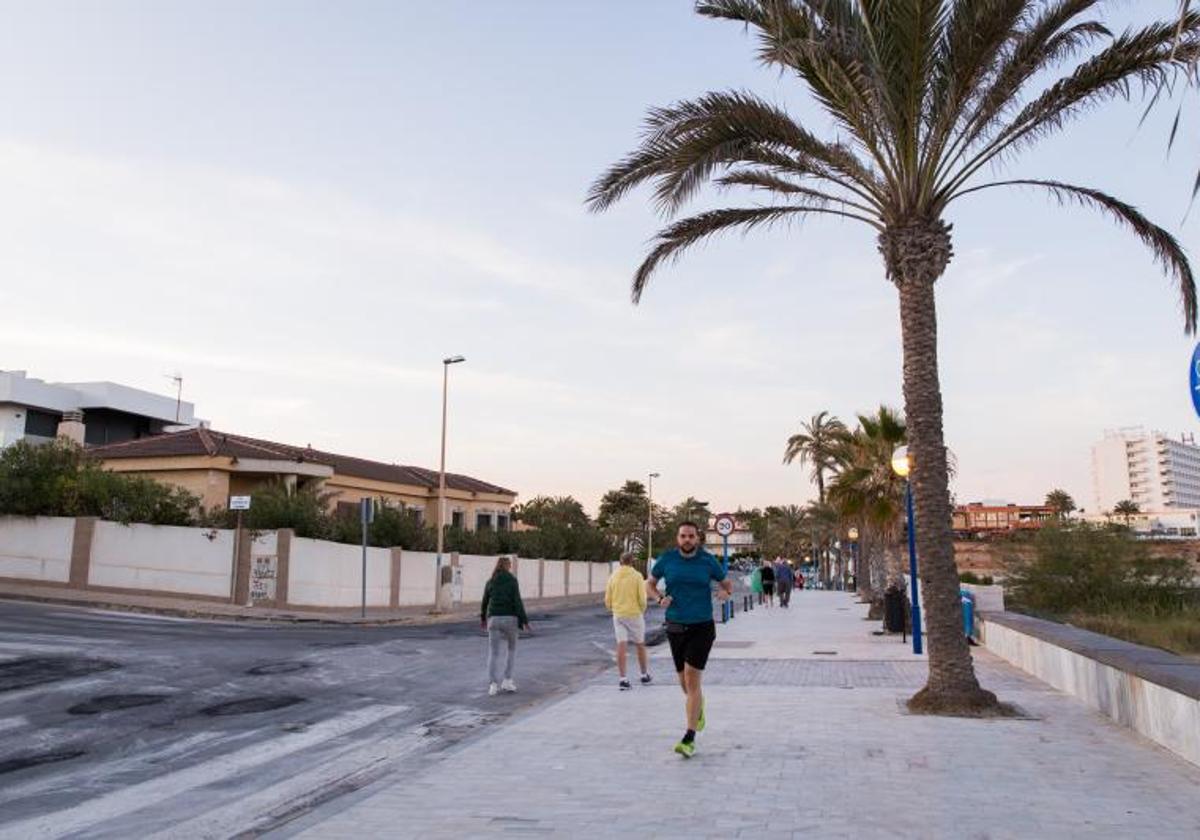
853	535
902	465
650	520
441	518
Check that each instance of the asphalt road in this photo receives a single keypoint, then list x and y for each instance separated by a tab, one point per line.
122	725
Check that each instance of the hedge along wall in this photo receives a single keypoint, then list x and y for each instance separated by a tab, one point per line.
162	558
36	548
328	574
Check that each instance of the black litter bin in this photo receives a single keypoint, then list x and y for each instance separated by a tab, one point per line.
893	610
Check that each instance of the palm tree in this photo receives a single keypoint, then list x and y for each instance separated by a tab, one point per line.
1061	501
1126	509
818	446
927	96
867	491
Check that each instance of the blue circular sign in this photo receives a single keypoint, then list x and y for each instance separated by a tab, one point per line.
1194	379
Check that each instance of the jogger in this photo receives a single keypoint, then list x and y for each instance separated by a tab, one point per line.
689	572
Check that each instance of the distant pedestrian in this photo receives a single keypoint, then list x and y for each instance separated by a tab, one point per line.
625	596
689	572
784	578
502	613
768	583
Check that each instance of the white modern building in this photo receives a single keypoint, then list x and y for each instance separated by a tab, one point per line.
95	413
1152	470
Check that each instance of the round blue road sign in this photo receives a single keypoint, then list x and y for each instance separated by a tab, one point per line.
1194	379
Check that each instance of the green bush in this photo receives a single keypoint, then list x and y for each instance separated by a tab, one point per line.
1080	566
59	479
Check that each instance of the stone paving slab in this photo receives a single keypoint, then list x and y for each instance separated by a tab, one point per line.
794	748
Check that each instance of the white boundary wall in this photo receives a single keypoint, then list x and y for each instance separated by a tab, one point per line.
527	577
579	578
162	558
554	580
418	569
476	569
327	574
36	548
1162	715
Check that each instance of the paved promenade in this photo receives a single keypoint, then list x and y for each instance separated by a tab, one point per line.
806	738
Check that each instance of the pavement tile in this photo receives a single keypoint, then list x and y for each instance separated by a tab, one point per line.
797	746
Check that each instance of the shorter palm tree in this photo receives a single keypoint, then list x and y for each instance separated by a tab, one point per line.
1061	501
817	445
1126	509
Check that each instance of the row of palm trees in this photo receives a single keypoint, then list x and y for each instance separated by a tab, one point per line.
927	99
856	489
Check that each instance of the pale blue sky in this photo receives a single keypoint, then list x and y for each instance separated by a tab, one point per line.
304	206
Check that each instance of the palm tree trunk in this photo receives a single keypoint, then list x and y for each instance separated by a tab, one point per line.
917	255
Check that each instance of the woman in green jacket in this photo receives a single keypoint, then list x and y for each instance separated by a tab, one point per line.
503	615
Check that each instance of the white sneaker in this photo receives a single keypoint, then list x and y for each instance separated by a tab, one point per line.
493	690
508	685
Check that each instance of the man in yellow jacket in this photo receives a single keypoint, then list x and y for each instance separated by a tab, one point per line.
625	595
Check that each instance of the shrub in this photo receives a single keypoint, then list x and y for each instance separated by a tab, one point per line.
1079	566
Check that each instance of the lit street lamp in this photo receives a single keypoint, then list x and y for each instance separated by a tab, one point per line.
902	465
853	535
650	521
441	519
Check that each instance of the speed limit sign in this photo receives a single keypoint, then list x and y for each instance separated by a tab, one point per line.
725	525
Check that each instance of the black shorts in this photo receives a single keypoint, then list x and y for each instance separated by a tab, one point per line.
692	644
768	588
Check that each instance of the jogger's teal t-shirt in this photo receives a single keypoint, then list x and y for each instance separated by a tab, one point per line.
689	583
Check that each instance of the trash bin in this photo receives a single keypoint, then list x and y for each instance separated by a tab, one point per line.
893	610
968	612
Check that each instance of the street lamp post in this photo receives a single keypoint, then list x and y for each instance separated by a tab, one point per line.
441	518
902	465
853	535
650	520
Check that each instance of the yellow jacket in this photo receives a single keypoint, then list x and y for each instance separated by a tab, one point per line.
625	593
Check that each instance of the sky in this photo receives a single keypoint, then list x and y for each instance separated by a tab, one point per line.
302	207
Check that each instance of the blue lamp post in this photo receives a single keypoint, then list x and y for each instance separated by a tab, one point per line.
901	465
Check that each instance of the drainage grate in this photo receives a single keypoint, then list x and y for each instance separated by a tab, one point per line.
732	644
824	653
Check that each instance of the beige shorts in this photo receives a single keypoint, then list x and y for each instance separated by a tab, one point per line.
631	629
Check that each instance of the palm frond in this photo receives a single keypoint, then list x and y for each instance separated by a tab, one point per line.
1166	249
685	143
672	241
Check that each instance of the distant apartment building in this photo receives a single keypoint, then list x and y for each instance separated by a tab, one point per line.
980	519
1149	468
216	465
94	413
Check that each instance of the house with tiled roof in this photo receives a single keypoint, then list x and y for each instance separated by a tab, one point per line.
216	465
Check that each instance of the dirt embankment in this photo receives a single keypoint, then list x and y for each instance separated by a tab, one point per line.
995	557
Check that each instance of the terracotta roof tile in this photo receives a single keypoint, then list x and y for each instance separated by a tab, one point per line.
206	442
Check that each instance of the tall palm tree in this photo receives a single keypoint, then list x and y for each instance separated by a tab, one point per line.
927	97
817	445
1126	509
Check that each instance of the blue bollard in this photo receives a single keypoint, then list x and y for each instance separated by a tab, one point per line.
968	612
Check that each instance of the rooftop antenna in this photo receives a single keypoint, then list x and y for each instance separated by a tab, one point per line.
177	378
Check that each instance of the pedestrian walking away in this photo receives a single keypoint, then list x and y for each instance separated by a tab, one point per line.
625	597
502	614
768	583
688	571
784	578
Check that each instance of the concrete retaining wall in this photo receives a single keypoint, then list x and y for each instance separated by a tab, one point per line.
327	574
36	548
162	558
1151	691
